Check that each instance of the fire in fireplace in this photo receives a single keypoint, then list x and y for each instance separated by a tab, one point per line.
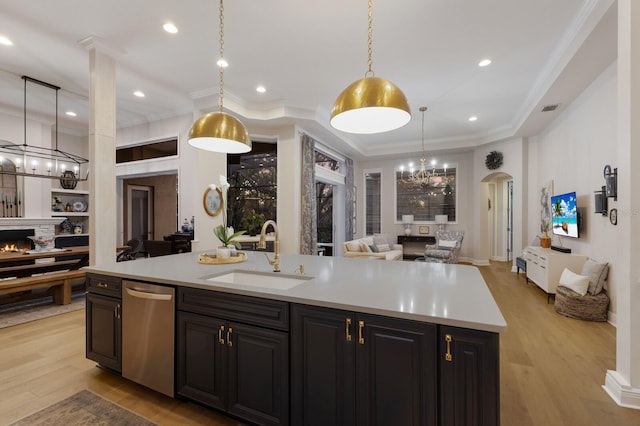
12	240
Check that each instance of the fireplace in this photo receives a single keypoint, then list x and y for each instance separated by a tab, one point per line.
16	240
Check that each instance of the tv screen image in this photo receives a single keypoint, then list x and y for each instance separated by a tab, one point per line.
564	215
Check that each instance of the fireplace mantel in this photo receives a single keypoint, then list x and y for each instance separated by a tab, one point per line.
30	222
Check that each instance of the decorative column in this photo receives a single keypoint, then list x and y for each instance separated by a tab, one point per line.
102	152
623	384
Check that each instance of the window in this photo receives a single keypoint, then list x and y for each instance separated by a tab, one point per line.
147	151
426	200
372	202
252	181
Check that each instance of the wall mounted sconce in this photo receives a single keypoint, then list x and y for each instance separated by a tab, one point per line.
611	181
600	201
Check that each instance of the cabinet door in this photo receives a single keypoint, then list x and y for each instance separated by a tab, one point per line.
470	377
104	331
258	374
322	366
201	359
396	364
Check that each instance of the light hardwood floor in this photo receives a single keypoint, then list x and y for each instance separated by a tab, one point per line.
552	367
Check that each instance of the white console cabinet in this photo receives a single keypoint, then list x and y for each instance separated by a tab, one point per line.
544	266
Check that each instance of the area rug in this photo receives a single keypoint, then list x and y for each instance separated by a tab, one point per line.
84	408
31	310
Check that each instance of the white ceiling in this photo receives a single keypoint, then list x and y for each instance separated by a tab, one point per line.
306	52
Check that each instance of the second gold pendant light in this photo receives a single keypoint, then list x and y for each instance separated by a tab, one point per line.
372	104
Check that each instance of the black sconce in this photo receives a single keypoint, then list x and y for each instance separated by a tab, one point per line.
611	181
600	201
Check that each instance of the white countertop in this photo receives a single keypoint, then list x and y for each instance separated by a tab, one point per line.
453	295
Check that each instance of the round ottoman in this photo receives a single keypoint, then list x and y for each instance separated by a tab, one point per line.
587	307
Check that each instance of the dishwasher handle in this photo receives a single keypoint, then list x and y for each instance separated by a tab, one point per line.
145	295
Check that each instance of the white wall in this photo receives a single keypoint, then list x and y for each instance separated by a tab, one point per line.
572	152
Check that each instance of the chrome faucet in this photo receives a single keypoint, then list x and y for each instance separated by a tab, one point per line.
275	262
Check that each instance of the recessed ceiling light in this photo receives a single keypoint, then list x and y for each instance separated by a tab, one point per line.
222	63
473	118
139	94
71	114
170	28
261	89
484	62
5	40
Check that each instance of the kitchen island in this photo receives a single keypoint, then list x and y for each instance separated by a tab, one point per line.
346	342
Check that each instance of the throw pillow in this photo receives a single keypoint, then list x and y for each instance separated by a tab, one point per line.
365	247
373	248
367	240
597	273
383	239
382	248
447	244
353	245
575	282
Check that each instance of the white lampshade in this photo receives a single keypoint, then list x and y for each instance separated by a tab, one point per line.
407	218
442	219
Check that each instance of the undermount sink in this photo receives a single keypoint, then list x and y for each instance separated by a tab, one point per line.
260	279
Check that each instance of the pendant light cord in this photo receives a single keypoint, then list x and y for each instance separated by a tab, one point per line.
370	40
221	52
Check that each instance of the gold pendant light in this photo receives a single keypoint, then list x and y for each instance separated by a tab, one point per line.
372	104
219	131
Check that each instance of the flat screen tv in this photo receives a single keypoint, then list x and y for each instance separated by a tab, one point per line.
564	215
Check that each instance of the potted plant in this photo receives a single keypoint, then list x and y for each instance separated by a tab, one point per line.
227	236
545	240
252	222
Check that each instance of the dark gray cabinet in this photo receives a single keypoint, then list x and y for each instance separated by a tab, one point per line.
103	321
350	368
469	377
233	354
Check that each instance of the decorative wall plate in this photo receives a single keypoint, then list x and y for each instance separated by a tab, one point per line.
79	206
613	216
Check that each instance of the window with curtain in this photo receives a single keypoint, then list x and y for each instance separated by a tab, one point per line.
372	202
425	200
253	188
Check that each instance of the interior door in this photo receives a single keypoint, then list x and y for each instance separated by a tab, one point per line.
140	212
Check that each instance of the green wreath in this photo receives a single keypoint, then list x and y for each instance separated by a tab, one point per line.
493	160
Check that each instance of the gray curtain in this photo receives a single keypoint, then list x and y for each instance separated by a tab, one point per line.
350	202
308	227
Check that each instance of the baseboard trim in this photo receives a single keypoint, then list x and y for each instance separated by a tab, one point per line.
620	391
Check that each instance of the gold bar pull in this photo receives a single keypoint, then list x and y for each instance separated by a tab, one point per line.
229	342
361	332
347	326
117	311
103	285
448	339
220	338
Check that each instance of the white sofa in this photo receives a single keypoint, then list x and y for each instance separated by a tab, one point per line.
378	247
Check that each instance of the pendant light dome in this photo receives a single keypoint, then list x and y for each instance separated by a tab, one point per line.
219	131
372	104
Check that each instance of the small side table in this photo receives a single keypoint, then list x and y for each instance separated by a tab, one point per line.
521	264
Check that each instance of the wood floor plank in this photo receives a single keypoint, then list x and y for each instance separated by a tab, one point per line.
551	367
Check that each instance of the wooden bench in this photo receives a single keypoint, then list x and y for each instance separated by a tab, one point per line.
61	283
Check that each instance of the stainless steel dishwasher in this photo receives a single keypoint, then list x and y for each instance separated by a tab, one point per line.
148	335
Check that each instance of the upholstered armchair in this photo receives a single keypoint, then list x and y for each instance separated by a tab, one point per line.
446	248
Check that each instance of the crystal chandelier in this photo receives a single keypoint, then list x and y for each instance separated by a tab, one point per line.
421	175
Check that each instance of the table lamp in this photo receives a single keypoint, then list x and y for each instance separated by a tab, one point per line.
407	219
441	221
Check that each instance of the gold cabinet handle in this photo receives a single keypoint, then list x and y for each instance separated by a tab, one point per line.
229	342
103	285
117	311
220	338
448	356
347	327
361	332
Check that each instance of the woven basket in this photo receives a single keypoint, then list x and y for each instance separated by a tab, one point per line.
587	307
